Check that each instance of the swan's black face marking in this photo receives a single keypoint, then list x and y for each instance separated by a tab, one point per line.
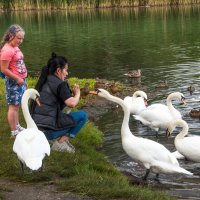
183	100
98	91
168	133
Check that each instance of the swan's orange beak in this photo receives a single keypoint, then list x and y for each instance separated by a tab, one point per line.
38	101
93	92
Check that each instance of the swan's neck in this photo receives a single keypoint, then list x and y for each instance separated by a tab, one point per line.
29	121
183	132
133	98
125	124
170	106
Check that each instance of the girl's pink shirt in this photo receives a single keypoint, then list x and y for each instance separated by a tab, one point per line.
15	58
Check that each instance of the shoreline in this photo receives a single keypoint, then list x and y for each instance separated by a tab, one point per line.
77	6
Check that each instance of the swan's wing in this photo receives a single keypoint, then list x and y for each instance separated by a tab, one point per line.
177	155
157	106
21	147
158	166
156	114
128	101
34	163
176	114
40	147
32	150
135	105
155	117
42	143
141	119
140	104
189	147
147	151
157	151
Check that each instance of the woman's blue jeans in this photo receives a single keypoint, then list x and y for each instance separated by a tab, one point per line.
80	117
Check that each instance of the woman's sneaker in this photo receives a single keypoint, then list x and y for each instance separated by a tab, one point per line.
70	146
62	147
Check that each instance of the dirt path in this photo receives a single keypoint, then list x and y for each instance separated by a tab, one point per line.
37	191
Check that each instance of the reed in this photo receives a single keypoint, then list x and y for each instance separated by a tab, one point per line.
86	4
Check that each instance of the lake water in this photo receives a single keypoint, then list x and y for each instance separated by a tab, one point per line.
163	42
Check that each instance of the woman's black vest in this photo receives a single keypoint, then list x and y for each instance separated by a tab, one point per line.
49	115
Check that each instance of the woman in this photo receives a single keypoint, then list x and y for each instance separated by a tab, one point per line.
55	94
13	67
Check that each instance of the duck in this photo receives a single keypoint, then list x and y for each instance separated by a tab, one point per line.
114	88
157	116
163	85
101	83
134	74
191	89
30	145
194	113
186	146
151	154
85	90
137	102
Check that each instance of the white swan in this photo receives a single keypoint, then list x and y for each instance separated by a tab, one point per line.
30	144
187	146
152	155
137	102
158	115
178	155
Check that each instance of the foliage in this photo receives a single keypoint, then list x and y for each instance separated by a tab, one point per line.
77	4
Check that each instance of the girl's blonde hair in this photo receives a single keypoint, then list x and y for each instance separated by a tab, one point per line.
10	34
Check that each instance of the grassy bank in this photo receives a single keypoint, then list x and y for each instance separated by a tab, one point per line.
86	4
87	172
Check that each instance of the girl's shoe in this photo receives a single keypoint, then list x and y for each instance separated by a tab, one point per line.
20	128
14	133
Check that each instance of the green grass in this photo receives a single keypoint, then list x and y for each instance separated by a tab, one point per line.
87	172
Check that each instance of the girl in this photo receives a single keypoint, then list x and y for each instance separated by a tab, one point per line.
13	67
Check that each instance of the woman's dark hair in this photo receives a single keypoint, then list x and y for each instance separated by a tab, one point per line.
53	64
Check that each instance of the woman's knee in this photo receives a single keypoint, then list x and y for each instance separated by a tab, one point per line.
79	116
84	115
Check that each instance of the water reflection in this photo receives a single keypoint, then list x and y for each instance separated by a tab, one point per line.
110	42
